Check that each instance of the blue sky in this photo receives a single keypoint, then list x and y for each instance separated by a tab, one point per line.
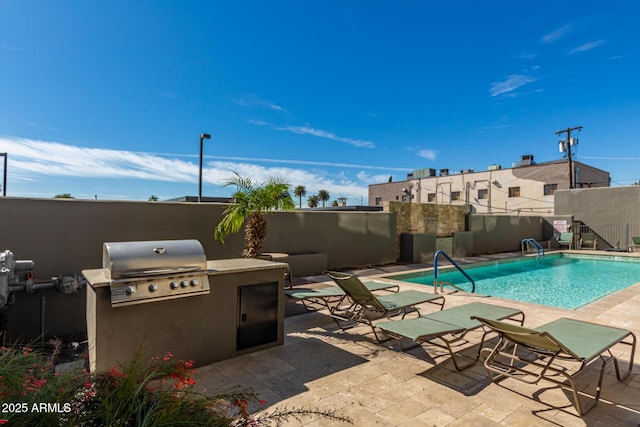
108	99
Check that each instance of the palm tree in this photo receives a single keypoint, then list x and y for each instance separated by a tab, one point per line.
300	191
323	195
252	201
312	201
153	198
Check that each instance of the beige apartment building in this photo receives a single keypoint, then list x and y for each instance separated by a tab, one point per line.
525	188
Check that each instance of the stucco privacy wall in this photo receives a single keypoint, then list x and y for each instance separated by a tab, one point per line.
613	213
66	236
348	238
612	205
502	233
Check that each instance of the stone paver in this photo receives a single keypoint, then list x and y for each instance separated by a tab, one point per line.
322	367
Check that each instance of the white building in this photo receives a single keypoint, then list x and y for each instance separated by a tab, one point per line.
525	188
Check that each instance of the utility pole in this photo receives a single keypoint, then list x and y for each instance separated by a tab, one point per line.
566	144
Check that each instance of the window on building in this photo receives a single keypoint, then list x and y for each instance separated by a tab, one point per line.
455	195
378	201
483	194
431	197
514	191
549	189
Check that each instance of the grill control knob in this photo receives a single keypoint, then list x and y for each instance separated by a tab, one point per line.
184	283
153	287
130	290
174	285
194	282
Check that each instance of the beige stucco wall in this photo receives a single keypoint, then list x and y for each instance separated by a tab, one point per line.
502	233
613	213
66	237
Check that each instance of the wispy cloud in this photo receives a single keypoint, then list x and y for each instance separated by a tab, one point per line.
12	48
587	46
32	160
275	107
252	100
526	56
512	82
557	34
258	122
308	163
305	130
56	159
427	154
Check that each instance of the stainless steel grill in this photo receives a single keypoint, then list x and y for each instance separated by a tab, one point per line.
148	271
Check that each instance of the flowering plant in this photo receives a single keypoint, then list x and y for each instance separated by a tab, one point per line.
157	393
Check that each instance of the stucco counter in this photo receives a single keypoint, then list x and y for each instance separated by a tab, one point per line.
243	312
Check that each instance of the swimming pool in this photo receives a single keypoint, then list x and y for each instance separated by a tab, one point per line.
558	280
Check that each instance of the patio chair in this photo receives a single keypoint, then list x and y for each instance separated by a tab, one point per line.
332	295
588	241
363	307
636	244
449	326
565	239
563	339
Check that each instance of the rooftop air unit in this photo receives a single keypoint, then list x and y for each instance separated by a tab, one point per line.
444	172
527	160
494	167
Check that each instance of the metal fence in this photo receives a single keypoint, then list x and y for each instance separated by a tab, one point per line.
616	236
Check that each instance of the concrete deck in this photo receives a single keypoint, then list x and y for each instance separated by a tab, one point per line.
323	367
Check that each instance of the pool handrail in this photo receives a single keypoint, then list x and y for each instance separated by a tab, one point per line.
455	264
533	242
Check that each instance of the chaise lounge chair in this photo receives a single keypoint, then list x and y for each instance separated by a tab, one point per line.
449	326
562	339
588	241
332	295
365	307
636	244
565	239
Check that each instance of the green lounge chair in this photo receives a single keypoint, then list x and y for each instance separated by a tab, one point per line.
332	295
365	307
565	239
449	326
636	244
588	241
562	339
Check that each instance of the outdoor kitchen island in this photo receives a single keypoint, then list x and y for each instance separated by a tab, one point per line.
242	313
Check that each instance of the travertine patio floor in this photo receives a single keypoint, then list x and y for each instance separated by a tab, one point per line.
323	367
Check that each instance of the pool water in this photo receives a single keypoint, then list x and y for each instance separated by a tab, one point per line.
561	280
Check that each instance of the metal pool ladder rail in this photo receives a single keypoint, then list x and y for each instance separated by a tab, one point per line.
531	241
455	264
